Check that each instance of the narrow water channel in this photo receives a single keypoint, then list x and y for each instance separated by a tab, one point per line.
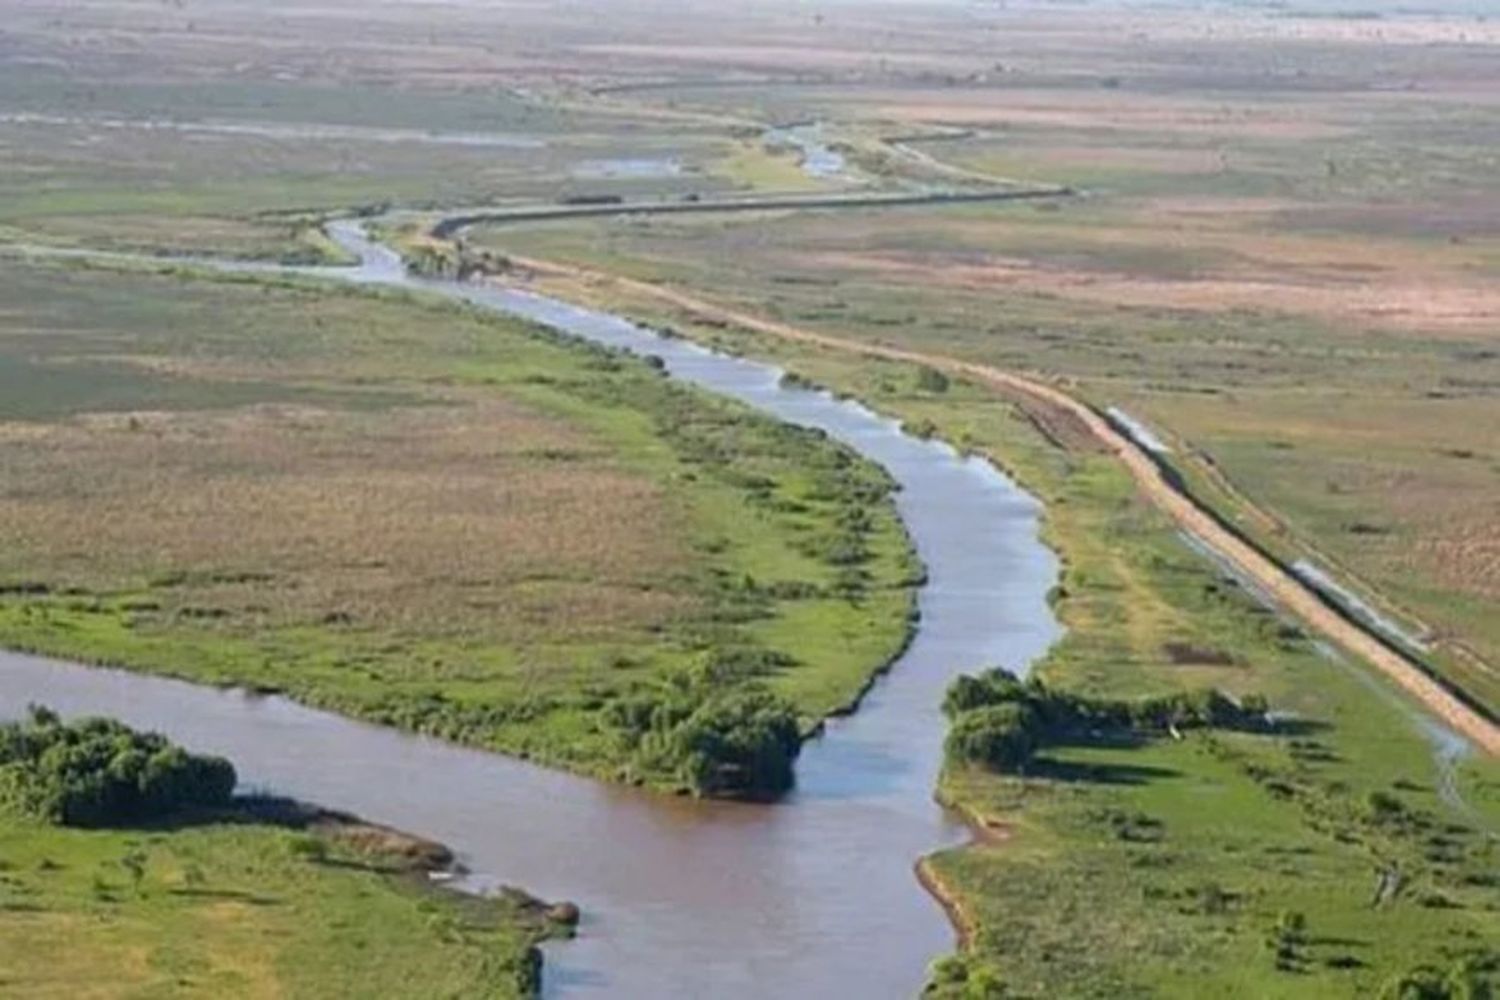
813	896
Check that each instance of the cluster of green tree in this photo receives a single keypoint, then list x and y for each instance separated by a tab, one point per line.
98	772
710	730
1001	722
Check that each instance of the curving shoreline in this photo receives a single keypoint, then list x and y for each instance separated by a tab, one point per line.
965	925
1044	404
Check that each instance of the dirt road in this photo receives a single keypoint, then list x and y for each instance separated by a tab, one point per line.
1055	409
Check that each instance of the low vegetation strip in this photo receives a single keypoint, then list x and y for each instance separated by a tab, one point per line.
1291	592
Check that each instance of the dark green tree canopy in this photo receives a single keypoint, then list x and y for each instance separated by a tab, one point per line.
98	772
1000	721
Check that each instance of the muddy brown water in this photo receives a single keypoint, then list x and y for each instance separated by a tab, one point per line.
813	896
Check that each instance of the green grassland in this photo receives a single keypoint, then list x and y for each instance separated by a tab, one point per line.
242	908
1163	869
127	867
418	514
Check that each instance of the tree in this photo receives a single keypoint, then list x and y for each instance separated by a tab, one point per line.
1001	737
989	688
742	743
95	772
1423	983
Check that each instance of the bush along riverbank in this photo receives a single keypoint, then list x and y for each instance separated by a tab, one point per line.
1001	723
125	859
710	730
101	773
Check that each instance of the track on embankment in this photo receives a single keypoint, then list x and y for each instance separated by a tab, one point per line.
450	226
1051	408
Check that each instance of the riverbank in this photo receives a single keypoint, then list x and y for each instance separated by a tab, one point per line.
235	906
964	925
171	844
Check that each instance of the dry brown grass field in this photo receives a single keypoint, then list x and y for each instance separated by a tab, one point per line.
425	504
477	518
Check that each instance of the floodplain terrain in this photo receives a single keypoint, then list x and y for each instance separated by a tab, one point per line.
1105	839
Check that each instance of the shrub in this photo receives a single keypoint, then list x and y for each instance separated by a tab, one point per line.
1384	806
1001	737
711	729
948	970
931	380
1419	984
990	688
96	772
742	743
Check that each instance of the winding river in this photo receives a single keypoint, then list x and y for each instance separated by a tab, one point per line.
814	896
